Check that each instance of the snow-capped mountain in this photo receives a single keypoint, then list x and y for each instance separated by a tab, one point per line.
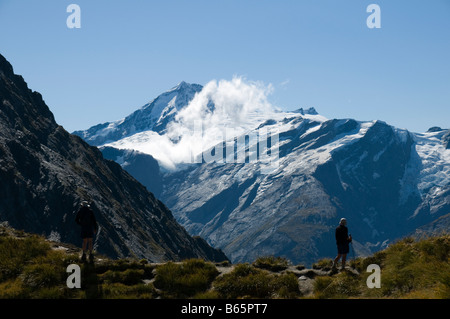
387	182
153	116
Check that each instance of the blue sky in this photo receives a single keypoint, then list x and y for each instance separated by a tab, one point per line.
314	53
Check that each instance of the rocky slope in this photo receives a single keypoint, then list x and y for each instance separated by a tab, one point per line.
137	164
46	172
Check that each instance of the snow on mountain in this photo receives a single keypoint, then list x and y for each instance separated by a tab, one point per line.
432	172
381	178
185	146
277	183
182	123
435	160
153	116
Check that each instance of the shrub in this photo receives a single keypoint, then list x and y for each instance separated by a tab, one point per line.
209	294
121	265
13	289
225	263
271	263
29	268
41	275
121	291
286	286
343	285
325	263
126	277
186	279
321	284
246	281
417	268
300	267
15	253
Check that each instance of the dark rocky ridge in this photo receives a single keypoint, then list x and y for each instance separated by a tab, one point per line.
45	172
137	164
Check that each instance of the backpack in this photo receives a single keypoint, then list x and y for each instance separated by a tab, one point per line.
84	217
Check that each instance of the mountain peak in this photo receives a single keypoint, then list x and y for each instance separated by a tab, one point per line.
309	111
34	114
434	129
5	66
182	84
154	116
185	86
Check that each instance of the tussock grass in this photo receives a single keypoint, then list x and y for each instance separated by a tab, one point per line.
271	263
30	268
247	281
187	279
409	269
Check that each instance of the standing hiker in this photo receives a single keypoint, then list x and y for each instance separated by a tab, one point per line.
86	219
342	241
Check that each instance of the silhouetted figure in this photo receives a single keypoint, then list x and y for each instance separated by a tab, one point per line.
342	241
86	219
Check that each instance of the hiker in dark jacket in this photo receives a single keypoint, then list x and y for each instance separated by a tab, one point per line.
342	241
86	219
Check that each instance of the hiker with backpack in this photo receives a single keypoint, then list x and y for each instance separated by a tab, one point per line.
343	239
86	219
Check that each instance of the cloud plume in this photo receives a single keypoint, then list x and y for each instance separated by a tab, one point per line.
222	110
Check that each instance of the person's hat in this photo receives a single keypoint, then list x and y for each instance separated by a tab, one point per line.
343	221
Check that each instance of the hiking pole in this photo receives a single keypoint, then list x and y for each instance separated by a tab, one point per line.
353	251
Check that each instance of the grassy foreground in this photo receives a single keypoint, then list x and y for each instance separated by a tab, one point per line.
32	267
